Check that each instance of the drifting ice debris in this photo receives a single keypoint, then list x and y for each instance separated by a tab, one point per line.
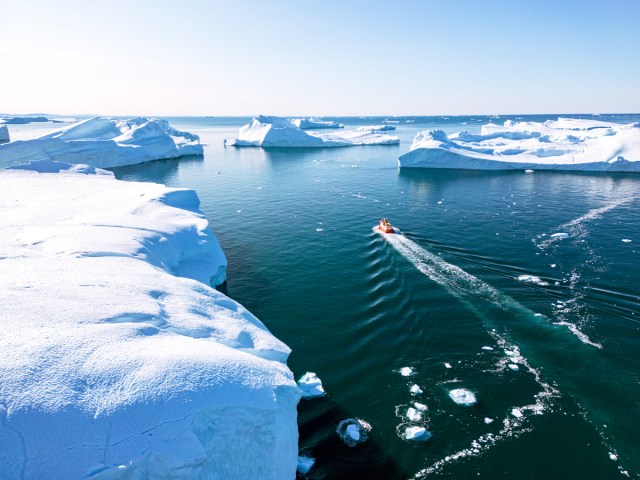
514	367
559	235
489	349
420	406
353	431
406	371
417	434
447	365
613	456
305	464
529	171
462	396
488	420
509	353
626	240
516	412
532	279
415	389
311	386
414	415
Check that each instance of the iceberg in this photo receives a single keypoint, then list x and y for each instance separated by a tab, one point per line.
462	396
563	144
407	371
118	359
305	464
24	120
415	389
314	123
104	143
353	431
264	131
418	434
4	134
414	415
376	128
311	386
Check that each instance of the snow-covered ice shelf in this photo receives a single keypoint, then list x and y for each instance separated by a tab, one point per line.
313	123
563	144
104	142
118	359
264	131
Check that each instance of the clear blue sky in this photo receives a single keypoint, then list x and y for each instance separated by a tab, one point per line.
348	57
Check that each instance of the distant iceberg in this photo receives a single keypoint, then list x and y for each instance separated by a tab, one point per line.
314	123
118	359
563	144
24	120
264	131
376	128
105	142
4	134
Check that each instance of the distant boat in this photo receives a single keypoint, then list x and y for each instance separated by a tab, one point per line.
385	227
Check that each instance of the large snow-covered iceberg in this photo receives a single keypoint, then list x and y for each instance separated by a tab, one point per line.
313	123
264	131
105	142
563	144
118	360
4	134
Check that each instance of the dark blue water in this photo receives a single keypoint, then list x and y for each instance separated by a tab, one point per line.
296	226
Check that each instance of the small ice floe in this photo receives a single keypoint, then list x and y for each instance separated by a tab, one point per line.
531	279
529	171
516	412
417	434
407	371
353	431
560	235
613	456
489	349
414	415
305	464
513	367
415	389
553	265
319	229
462	396
420	406
509	353
626	240
488	420
311	386
538	315
447	365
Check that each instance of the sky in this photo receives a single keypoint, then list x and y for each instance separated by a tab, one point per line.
333	57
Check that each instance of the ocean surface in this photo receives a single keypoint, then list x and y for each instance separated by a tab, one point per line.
443	299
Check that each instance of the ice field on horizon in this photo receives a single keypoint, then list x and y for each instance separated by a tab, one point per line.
563	144
267	131
119	360
104	142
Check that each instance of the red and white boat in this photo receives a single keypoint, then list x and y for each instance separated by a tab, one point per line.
385	227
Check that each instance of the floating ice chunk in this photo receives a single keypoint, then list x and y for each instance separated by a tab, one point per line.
510	353
311	386
532	279
305	464
420	406
407	371
553	265
559	235
447	365
516	412
488	420
489	349
626	240
462	396
266	131
565	144
417	434
514	367
353	431
105	142
415	389
414	415
529	171
613	456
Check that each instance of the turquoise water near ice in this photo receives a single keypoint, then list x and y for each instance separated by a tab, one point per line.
296	226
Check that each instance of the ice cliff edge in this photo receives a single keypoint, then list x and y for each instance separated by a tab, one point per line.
119	361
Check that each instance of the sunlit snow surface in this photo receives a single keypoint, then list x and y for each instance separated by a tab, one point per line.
118	359
563	144
104	142
265	131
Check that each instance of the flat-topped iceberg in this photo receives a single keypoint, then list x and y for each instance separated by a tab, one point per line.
105	142
563	144
4	134
264	131
118	359
313	123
